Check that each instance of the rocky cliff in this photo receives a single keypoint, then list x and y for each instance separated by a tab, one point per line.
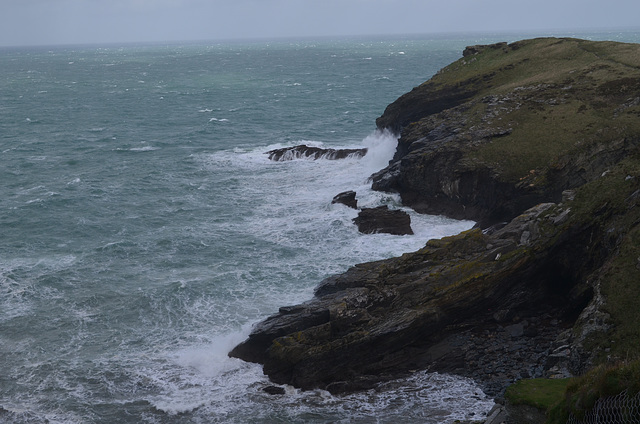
538	142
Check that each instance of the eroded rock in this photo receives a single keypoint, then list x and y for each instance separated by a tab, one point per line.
383	220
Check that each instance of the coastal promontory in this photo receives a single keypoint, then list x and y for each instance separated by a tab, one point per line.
537	141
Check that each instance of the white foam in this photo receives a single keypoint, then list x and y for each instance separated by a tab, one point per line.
291	207
144	149
211	360
381	148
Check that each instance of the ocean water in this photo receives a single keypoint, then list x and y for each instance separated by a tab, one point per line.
143	230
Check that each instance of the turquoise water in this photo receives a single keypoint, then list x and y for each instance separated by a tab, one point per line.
144	231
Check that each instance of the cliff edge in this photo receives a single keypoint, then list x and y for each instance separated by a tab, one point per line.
537	141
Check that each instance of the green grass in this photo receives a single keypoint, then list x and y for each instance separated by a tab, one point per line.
582	393
541	393
561	397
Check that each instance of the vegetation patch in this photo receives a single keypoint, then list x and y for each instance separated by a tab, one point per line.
541	393
603	381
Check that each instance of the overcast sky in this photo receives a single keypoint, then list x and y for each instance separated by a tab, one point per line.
46	22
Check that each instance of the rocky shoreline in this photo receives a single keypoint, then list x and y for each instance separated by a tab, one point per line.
538	141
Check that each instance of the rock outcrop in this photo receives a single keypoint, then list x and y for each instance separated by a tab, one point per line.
310	152
539	142
383	220
347	198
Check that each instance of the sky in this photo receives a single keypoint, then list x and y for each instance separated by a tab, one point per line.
51	22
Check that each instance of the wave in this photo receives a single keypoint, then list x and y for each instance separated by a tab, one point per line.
144	149
204	383
137	149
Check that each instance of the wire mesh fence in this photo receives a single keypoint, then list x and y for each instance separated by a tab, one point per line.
619	409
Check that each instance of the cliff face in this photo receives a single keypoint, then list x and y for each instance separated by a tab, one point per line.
540	135
518	124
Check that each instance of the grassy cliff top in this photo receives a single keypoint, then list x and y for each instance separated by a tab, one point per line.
546	98
563	61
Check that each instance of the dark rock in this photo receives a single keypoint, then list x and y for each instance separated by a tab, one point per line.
417	311
347	198
303	151
274	390
383	220
515	330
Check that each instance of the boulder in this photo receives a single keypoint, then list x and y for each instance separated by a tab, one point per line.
383	220
347	198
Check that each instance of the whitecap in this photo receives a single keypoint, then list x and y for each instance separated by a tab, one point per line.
143	149
135	149
218	120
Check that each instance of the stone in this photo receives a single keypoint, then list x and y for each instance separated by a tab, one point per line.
274	390
498	415
562	218
515	330
347	198
383	220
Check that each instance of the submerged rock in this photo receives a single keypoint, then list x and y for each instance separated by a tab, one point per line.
383	220
304	151
274	390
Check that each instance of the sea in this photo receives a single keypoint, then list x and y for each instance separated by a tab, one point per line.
144	231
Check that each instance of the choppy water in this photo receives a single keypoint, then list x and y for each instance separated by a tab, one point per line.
143	230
